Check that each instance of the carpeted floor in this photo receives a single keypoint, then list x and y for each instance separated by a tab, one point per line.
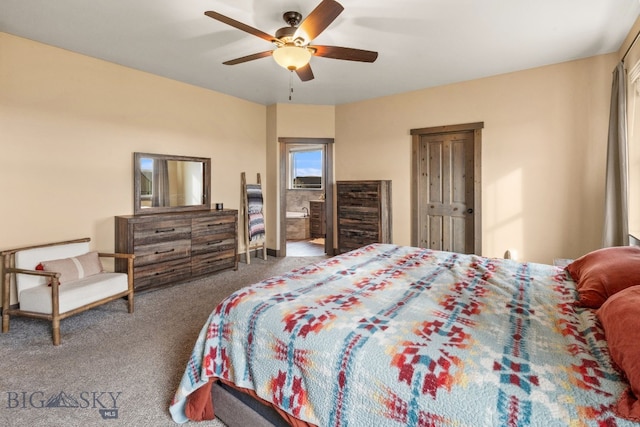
114	368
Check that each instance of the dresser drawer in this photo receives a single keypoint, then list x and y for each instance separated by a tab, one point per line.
364	217
208	263
165	273
145	233
161	252
359	237
217	242
355	193
213	234
366	200
212	221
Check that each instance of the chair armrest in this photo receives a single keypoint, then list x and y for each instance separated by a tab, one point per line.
129	258
34	272
54	282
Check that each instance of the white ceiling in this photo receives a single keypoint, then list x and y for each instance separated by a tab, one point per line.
421	43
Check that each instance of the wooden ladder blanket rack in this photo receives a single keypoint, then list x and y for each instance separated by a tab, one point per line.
253	212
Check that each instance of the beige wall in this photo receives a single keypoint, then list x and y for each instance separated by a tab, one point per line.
543	153
69	125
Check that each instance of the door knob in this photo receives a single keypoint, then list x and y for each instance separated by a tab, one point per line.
469	211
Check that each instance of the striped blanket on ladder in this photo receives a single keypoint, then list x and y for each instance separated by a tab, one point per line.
254	212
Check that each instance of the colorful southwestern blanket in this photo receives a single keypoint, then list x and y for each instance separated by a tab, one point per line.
398	336
254	211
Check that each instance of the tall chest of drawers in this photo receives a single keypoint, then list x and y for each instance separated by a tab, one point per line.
317	219
172	248
364	213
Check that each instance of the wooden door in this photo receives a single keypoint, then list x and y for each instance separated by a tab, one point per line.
447	189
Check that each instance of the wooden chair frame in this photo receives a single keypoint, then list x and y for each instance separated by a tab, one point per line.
55	317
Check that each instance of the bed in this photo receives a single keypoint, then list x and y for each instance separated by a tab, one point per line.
391	335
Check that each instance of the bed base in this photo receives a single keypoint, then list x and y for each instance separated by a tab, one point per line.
236	409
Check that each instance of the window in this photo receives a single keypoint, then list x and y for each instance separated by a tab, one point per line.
305	168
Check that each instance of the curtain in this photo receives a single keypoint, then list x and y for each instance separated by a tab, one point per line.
616	218
160	183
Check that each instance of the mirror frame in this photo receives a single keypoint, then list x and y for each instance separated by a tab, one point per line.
137	198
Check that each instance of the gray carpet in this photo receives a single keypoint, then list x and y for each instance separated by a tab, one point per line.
114	368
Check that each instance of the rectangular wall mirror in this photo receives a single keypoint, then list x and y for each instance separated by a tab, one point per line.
166	183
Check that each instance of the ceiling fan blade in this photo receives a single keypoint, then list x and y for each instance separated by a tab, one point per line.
319	19
346	53
239	25
248	58
305	73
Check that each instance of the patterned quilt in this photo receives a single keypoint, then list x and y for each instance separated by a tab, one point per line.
398	336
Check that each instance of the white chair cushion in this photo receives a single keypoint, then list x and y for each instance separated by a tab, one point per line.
30	258
73	294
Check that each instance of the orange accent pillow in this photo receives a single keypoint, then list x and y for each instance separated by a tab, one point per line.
620	318
602	273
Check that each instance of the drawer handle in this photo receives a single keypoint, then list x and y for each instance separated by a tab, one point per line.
215	242
164	252
166	230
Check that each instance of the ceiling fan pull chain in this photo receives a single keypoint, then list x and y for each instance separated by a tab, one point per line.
290	84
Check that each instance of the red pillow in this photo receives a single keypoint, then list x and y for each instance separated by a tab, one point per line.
620	318
602	273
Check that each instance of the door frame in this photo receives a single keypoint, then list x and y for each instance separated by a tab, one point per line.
417	190
329	183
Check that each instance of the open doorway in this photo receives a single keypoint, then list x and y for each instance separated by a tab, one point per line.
306	196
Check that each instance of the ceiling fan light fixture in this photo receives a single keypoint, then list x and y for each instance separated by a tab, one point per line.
292	57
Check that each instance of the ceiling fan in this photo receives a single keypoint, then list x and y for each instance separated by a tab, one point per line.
293	49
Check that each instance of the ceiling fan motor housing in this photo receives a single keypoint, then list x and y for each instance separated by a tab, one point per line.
292	18
286	33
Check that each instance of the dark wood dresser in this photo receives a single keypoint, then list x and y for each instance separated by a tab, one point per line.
175	247
317	219
364	213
